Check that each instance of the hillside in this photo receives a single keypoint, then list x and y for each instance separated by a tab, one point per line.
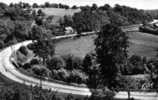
58	11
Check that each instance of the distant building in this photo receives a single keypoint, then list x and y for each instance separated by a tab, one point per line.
69	30
155	21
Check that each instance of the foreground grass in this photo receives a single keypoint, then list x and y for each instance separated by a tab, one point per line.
141	44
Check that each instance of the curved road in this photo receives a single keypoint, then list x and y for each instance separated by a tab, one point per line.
9	70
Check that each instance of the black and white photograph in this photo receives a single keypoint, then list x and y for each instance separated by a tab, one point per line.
78	49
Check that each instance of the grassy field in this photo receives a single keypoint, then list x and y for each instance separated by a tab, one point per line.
58	11
143	44
140	44
78	46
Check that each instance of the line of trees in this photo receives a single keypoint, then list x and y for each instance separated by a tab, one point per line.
45	5
91	18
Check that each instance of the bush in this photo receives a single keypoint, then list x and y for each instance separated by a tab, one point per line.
63	74
26	66
77	76
40	70
34	62
135	65
55	63
23	50
102	94
72	62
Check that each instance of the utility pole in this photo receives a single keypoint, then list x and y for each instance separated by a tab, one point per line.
40	85
128	94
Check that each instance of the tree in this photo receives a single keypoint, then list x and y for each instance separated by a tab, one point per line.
23	50
67	21
11	5
47	4
94	7
43	49
74	7
152	65
20	31
35	5
111	49
40	13
138	64
88	20
43	46
56	63
117	19
72	62
91	68
40	70
132	14
105	7
39	33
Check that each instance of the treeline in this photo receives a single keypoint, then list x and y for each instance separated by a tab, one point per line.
45	5
92	17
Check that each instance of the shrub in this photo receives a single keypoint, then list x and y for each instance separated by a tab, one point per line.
77	76
26	66
102	94
34	62
40	70
88	62
63	74
72	62
56	63
135	65
23	50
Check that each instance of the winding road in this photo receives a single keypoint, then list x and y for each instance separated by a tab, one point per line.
9	70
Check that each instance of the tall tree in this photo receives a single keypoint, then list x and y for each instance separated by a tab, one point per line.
35	5
47	4
111	49
43	49
94	7
91	68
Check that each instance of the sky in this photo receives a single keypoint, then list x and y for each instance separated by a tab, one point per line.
140	4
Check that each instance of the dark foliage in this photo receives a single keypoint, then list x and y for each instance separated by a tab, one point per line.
111	49
23	50
43	49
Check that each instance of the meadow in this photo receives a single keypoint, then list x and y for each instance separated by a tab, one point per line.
58	11
141	44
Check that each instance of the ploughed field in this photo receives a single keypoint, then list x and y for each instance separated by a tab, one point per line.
141	44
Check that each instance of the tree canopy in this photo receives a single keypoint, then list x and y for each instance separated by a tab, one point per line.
111	49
